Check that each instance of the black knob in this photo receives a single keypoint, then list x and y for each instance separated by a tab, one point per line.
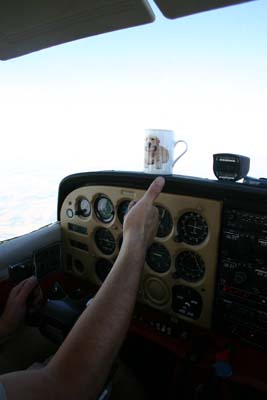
240	277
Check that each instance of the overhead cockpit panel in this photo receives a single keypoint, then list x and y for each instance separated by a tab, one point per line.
27	25
180	8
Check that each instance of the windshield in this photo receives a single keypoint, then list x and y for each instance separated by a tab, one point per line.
84	106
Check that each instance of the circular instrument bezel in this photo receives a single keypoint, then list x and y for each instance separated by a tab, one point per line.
192	228
100	213
158	258
122	210
101	237
83	208
186	302
189	266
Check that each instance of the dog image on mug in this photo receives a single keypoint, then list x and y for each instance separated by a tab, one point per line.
155	154
159	154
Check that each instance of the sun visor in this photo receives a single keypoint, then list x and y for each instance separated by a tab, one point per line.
180	8
31	25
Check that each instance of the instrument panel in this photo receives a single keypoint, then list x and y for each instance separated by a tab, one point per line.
179	276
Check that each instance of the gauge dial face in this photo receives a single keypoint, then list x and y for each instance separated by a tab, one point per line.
158	258
103	268
186	301
166	224
189	266
192	228
105	241
104	209
122	210
83	208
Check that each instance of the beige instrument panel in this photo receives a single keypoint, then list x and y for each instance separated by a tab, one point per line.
180	268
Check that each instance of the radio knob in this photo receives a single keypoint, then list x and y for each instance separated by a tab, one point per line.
240	277
245	247
231	216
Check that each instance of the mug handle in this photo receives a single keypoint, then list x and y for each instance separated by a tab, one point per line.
185	150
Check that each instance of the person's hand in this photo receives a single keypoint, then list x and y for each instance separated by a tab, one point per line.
142	220
15	309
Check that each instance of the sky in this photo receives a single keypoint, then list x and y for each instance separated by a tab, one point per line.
84	105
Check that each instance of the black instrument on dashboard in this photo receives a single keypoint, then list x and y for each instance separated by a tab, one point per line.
242	285
186	302
231	167
122	210
83	208
103	268
166	224
158	258
189	266
104	209
105	241
192	228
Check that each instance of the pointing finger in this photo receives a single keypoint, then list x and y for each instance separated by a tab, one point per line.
154	189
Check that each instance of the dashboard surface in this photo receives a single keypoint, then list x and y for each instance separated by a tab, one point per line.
208	263
179	273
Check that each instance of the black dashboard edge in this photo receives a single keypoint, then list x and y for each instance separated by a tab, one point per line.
176	184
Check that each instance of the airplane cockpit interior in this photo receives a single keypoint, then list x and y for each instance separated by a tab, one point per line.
199	325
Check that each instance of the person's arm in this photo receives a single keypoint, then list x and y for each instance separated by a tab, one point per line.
81	366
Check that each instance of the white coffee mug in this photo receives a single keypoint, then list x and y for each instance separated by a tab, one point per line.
159	151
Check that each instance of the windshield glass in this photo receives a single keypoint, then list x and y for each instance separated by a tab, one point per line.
84	106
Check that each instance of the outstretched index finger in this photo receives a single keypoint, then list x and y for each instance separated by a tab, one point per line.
154	189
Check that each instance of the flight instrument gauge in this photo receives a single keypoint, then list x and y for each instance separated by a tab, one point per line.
189	266
105	241
103	268
192	228
158	258
186	301
166	224
122	210
104	209
83	207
